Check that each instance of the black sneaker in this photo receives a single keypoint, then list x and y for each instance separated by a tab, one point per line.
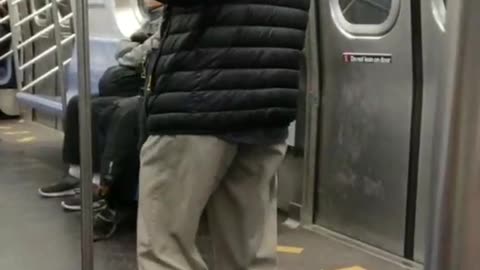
75	203
105	224
69	186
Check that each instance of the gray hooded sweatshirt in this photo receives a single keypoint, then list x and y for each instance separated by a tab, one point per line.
133	54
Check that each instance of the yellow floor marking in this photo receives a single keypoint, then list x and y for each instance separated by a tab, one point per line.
290	250
5	128
16	132
26	139
353	268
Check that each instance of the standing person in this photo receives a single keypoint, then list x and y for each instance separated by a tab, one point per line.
222	91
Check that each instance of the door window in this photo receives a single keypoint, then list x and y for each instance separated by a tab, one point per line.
366	17
130	15
143	8
366	11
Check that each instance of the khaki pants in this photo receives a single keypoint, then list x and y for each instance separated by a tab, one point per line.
182	176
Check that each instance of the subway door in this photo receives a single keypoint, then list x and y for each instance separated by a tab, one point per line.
433	32
365	125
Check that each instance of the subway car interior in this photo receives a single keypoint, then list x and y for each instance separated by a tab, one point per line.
379	172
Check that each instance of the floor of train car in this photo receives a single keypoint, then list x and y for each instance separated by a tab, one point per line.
37	234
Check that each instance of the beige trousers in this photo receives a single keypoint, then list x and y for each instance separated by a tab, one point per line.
182	176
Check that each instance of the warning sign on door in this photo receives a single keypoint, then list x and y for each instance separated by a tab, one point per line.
367	58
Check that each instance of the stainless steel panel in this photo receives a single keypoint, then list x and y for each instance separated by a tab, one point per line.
454	236
433	37
312	89
365	133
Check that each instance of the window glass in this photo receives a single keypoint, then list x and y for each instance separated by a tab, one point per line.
366	11
142	7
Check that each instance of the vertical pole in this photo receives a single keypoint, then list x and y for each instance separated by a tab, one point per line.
82	42
312	123
57	31
455	235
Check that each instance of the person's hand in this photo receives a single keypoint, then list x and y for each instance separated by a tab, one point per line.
102	190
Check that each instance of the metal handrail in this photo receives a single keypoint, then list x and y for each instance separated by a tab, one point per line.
7	54
44	76
4	19
67	17
18	44
39	79
36	36
45	53
7	36
33	15
68	39
38	57
15	40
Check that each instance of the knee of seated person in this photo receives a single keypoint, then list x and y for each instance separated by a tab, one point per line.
118	81
72	105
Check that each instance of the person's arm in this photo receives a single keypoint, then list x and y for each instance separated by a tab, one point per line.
135	57
136	39
140	36
124	47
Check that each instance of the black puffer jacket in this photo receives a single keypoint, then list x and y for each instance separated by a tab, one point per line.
226	66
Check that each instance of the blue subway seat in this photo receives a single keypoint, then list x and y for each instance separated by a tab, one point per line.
47	104
7	75
102	56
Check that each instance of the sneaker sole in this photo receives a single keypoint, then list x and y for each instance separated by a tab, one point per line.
97	206
57	194
103	237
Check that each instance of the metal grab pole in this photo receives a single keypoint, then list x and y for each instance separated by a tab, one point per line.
455	227
82	42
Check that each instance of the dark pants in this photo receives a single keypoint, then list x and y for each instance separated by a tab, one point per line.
120	158
120	81
116	82
114	146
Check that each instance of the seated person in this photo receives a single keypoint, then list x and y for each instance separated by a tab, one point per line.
124	80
